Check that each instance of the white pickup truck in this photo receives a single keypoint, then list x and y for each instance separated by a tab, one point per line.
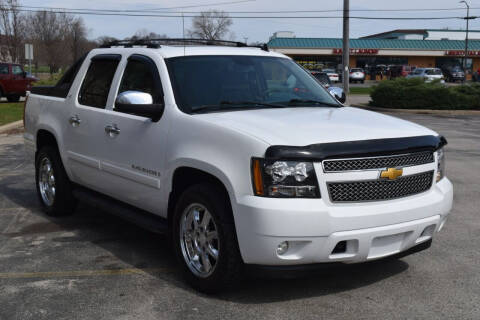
240	154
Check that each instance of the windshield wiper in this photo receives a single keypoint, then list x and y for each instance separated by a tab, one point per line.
296	102
231	105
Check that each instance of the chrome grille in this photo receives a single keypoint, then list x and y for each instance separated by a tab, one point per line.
377	190
404	160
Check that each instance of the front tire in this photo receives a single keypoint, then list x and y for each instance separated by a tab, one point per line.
204	238
54	189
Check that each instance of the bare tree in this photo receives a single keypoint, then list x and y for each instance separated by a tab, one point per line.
144	34
104	40
50	32
12	27
77	37
211	25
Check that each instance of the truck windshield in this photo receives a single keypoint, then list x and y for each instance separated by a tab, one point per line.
225	83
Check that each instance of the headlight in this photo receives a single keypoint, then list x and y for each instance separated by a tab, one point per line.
440	164
284	179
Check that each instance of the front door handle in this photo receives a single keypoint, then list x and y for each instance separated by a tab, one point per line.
112	130
75	120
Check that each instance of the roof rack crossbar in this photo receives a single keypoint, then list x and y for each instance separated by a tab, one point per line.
156	43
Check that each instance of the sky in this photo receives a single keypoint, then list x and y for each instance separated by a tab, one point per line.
261	29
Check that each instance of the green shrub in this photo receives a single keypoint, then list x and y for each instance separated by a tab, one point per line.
416	94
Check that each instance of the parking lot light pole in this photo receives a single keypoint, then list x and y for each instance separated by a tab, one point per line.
346	46
466	37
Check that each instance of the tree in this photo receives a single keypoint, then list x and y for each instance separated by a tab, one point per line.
77	37
210	25
104	40
12	27
50	31
144	34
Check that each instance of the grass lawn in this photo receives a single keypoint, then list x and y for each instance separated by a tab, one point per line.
50	81
10	112
360	90
44	69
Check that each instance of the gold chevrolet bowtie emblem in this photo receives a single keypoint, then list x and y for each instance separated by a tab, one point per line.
391	173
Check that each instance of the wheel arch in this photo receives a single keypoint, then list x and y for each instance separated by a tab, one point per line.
186	176
45	137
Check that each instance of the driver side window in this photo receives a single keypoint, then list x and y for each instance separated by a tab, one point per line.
141	74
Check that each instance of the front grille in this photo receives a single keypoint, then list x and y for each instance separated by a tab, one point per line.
377	190
404	160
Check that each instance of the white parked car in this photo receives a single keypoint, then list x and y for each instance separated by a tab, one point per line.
332	74
428	74
357	75
239	154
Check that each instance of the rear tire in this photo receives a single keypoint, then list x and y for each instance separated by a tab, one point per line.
202	269
13	98
54	189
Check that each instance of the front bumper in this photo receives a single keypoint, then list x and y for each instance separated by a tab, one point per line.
294	271
313	227
428	80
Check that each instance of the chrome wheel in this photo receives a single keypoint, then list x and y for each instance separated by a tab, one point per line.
199	240
46	181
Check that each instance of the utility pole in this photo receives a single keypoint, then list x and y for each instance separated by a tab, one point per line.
29	55
346	46
466	38
245	38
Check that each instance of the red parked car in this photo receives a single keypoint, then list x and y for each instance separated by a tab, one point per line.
14	81
396	71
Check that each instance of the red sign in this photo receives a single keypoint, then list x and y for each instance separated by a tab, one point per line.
357	51
462	53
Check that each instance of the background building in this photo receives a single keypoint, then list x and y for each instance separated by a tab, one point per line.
425	34
375	53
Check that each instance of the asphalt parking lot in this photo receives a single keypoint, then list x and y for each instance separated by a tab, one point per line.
94	266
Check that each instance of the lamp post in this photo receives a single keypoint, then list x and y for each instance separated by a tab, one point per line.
466	37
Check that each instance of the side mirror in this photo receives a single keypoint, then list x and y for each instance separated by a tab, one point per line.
140	104
337	93
24	74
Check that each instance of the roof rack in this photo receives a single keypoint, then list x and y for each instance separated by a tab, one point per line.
156	43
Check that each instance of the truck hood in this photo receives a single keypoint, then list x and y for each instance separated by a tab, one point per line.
309	125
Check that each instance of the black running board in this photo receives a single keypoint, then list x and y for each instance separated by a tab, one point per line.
122	210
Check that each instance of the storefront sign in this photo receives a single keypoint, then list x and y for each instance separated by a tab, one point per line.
462	53
357	51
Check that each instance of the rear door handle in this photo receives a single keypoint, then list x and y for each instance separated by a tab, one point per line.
112	130
75	120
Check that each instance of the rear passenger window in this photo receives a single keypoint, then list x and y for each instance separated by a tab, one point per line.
4	69
97	82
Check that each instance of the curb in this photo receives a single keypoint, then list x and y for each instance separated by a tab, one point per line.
12	125
421	111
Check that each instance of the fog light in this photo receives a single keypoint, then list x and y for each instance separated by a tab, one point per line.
282	248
